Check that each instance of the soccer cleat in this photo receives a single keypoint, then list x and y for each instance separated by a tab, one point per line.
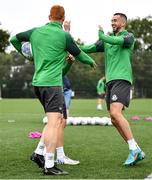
141	156
54	171
38	159
134	156
67	160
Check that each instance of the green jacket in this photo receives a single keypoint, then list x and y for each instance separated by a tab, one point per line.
100	86
117	54
50	46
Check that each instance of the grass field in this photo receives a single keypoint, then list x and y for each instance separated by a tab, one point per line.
100	149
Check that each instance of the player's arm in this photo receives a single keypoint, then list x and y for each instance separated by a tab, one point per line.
93	48
125	40
97	47
17	40
69	61
73	49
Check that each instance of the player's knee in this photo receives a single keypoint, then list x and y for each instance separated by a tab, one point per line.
55	122
114	115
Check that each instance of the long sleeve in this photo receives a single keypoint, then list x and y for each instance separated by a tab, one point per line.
126	40
93	48
88	48
111	39
84	58
17	40
16	43
73	49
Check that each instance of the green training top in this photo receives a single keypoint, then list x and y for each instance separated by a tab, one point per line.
50	46
100	86
117	54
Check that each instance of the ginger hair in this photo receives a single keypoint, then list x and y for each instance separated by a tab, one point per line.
57	13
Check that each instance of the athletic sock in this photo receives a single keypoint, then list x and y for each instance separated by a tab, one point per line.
138	146
99	106
49	160
60	152
132	144
44	152
40	148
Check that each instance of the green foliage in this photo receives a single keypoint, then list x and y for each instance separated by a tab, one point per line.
4	40
5	67
84	78
15	75
142	30
142	70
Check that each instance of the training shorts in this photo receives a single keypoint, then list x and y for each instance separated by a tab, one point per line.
52	99
118	91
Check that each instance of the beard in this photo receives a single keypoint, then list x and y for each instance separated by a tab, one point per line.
116	30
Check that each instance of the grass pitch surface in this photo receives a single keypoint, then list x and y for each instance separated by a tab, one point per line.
100	149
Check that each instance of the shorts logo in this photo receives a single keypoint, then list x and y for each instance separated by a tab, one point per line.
114	97
60	108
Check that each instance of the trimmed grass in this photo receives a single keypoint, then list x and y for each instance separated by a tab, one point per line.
100	149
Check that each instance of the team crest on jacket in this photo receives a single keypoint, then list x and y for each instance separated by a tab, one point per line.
114	97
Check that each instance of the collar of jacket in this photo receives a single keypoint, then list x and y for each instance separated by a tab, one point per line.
55	23
120	33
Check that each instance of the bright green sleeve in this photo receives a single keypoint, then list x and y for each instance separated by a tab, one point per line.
84	58
98	85
111	39
93	48
88	48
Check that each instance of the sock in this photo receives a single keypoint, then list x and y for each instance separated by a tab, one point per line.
49	160
60	152
99	106
137	146
44	152
132	144
40	148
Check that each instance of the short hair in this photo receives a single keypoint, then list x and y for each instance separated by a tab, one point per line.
122	15
57	12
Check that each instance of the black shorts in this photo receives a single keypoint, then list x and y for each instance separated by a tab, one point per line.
52	99
118	91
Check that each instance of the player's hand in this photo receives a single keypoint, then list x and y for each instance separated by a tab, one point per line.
67	26
70	58
100	28
94	65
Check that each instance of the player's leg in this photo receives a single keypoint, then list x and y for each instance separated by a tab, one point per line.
38	154
51	99
67	96
61	157
119	97
99	102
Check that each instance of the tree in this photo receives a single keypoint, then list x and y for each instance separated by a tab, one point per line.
4	40
142	30
84	78
142	61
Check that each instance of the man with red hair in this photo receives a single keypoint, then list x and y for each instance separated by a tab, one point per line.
50	47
